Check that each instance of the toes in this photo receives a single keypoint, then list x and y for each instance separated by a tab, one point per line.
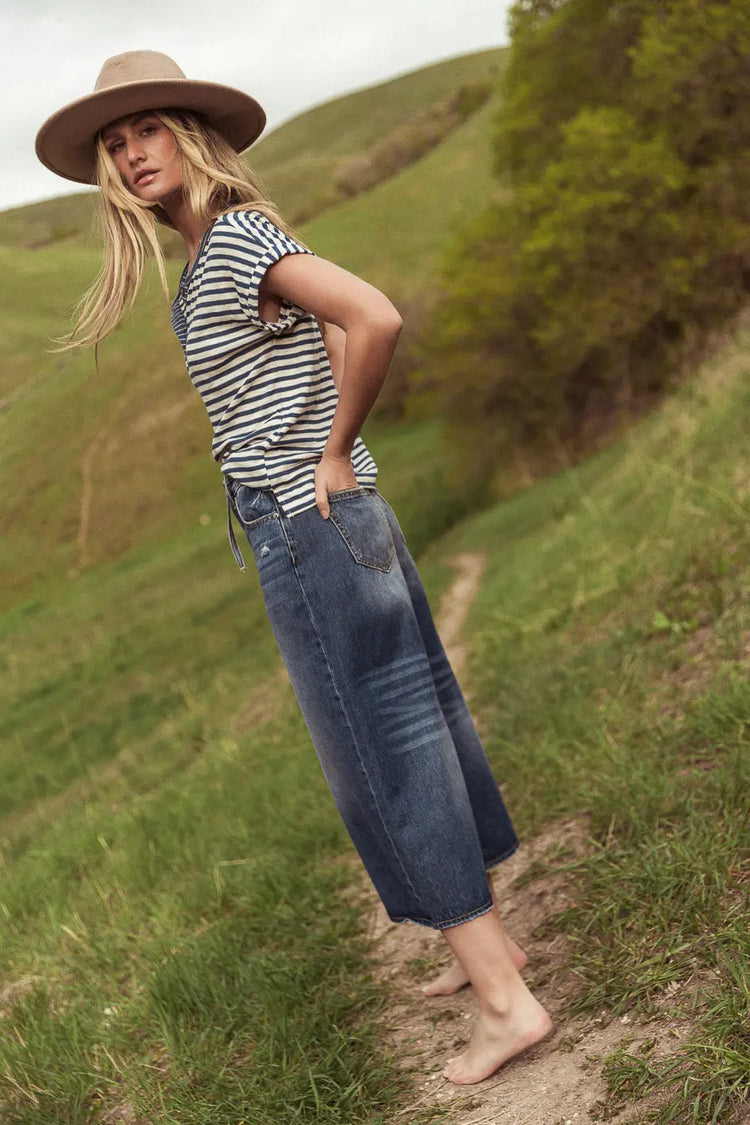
438	990
445	985
454	1072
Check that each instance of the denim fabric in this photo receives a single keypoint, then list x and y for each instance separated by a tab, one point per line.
387	718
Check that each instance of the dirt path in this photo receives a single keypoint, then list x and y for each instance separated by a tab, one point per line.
557	1083
455	605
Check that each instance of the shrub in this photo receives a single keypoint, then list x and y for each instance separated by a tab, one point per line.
625	139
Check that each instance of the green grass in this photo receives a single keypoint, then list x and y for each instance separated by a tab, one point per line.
66	219
354	122
299	159
174	950
395	234
172	890
609	664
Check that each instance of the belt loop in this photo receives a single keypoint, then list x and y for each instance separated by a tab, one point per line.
230	528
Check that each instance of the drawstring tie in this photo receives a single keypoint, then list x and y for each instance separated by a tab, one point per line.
230	528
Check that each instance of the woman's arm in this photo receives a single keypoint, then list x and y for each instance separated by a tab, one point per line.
372	326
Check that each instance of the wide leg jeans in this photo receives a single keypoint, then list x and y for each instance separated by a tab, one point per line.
388	720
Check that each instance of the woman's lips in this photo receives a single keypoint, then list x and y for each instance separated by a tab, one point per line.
146	178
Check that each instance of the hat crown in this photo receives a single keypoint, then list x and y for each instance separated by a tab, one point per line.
137	66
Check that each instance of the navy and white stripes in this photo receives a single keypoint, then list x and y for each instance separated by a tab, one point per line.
267	386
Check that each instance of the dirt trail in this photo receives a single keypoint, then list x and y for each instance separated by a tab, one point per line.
455	605
556	1083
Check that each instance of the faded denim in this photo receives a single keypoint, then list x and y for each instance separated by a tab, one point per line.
389	723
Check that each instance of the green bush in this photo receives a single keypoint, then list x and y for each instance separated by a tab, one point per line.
624	139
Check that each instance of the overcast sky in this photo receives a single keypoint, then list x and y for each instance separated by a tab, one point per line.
289	55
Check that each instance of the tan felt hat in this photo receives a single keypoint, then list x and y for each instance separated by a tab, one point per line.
131	83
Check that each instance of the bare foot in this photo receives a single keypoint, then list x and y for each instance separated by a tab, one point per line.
455	978
499	1037
518	956
452	980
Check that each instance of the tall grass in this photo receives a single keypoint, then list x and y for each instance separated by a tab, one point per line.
176	937
174	934
609	660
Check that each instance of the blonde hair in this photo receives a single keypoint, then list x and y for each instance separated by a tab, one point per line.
215	180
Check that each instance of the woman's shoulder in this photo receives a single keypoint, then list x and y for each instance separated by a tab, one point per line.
245	235
249	233
246	221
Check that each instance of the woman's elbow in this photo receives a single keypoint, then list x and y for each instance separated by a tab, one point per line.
389	321
377	318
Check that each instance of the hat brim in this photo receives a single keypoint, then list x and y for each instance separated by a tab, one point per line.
66	141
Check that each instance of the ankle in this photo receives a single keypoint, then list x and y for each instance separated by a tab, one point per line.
502	997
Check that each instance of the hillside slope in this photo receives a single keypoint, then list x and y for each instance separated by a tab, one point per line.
298	161
163	820
175	884
394	235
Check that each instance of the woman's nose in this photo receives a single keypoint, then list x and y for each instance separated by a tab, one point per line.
134	149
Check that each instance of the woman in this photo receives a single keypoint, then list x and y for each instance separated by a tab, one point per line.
289	352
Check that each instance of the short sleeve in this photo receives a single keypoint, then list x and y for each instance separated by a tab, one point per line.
256	244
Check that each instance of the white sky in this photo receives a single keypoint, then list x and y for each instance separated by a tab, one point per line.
290	55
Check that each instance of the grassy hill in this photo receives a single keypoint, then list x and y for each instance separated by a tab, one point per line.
394	235
172	891
164	822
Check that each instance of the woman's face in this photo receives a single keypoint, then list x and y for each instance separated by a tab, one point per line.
146	155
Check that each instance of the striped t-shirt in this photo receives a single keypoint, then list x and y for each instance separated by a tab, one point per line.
267	386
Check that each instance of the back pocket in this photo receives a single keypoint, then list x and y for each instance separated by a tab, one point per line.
360	520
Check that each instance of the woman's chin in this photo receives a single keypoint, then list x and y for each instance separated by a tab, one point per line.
156	198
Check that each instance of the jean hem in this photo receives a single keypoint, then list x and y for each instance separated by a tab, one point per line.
458	920
470	915
490	863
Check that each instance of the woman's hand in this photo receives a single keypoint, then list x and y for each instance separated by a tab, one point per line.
331	475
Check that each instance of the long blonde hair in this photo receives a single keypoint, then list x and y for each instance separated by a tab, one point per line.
215	180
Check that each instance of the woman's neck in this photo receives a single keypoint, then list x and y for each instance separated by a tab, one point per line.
187	224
